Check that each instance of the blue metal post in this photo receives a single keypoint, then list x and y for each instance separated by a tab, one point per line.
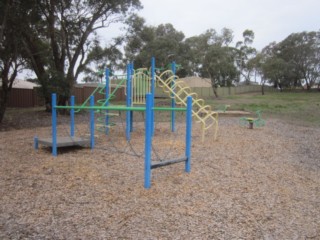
131	112
148	142
54	124
128	103
72	116
36	142
173	101
188	133
107	96
91	122
153	69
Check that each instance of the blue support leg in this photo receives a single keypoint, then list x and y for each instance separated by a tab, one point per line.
91	122
54	124
148	142
131	121
107	102
131	112
188	133
36	143
128	103
72	116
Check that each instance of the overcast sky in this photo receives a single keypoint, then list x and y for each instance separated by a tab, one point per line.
271	20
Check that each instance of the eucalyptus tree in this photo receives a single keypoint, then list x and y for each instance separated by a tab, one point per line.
302	52
68	28
199	46
163	42
215	58
99	58
219	66
244	54
11	55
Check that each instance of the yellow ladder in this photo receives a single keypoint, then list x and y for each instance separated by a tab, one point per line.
179	90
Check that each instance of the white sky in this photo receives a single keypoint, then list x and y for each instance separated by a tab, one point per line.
271	20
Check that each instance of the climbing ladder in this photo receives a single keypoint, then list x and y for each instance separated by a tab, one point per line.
102	124
178	90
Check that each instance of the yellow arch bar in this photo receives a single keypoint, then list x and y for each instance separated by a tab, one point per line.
180	91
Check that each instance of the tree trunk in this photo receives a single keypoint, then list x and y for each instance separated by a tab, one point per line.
215	92
6	87
262	89
214	88
308	86
3	105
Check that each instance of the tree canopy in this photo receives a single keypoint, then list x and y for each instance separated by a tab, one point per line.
58	41
293	62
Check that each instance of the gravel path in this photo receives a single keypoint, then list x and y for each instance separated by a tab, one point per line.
249	184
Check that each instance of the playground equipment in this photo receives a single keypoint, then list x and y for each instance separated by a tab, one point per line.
257	122
141	84
179	91
54	142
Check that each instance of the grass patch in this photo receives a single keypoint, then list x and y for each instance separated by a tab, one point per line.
301	108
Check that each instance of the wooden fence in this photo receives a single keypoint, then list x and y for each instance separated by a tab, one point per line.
24	98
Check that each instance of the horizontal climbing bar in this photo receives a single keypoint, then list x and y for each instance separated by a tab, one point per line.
120	108
169	109
168	162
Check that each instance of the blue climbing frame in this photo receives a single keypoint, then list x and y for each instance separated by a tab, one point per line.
148	141
149	122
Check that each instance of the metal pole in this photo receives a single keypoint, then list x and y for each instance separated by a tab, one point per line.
153	68
91	122
54	124
107	96
173	101
188	133
128	136
72	116
148	142
36	143
131	112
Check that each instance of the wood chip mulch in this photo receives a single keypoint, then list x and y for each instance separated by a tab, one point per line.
262	183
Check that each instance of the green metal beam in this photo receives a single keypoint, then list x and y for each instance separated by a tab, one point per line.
120	108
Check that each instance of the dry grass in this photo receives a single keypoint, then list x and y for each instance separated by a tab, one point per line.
249	184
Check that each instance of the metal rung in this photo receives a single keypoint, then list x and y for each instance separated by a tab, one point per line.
168	162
